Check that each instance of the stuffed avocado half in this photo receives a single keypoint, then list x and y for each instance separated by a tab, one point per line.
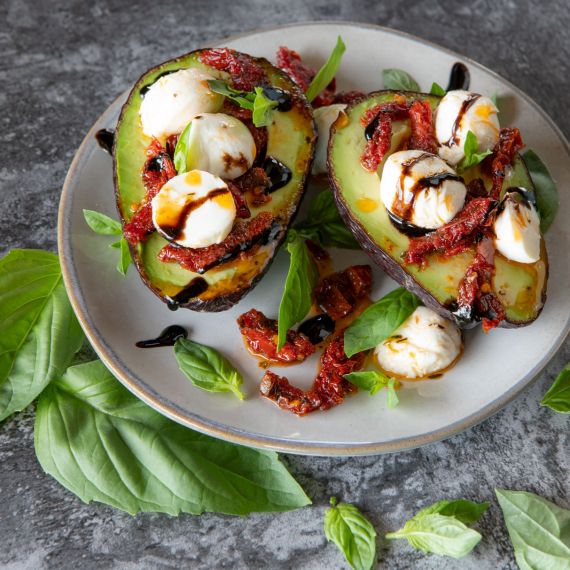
442	275
247	188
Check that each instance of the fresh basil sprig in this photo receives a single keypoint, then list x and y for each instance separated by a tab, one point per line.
372	381
244	100
327	72
206	368
181	150
262	107
539	530
39	333
547	200
324	225
353	534
104	444
472	157
432	530
379	321
437	89
558	396
399	80
299	284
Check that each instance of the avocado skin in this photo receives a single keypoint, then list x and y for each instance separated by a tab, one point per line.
226	300
390	266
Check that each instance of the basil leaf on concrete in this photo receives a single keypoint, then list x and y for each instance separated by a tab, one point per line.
399	80
104	444
558	396
472	157
539	530
379	321
206	368
353	534
327	72
437	89
547	200
39	333
101	223
467	512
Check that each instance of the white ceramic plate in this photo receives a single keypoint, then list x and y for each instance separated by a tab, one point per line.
115	311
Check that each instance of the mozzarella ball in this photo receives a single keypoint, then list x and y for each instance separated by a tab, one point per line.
407	181
425	344
324	117
173	100
194	209
517	229
220	144
460	112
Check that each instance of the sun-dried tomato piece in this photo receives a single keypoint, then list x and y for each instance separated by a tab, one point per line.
288	397
338	293
171	145
242	209
260	334
242	238
476	189
421	122
510	142
245	72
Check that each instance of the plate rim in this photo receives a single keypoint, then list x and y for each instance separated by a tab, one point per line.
236	435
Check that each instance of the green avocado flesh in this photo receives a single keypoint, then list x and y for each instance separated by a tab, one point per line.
521	287
291	140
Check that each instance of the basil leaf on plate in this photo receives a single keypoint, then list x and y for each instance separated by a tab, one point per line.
104	444
181	150
547	200
262	106
372	381
39	333
438	534
244	100
327	72
102	224
472	157
353	534
399	80
437	89
467	512
558	396
379	321
539	530
324	225
299	284
206	368
392	399
125	260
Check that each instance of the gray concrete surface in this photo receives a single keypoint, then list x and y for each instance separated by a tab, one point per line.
61	64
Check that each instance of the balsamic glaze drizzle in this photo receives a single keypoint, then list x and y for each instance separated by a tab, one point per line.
166	338
105	139
196	287
283	98
459	77
144	90
317	328
278	173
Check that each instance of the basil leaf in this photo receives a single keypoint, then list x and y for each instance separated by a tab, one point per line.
392	400
472	157
261	108
558	396
104	444
353	534
437	89
547	200
39	333
298	292
244	100
327	72
463	510
379	321
206	368
102	224
125	260
438	534
369	380
324	224
399	80
539	530
181	150
116	244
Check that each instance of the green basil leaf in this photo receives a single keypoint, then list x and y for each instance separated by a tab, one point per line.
547	200
369	380
472	157
125	260
244	100
104	444
181	150
438	534
393	399
558	396
102	224
116	244
206	368
379	321
39	333
399	80
299	284
539	530
324	224
327	72
353	534
262	107
463	510
437	89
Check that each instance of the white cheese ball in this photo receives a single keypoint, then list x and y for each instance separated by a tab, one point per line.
425	344
452	125
517	230
324	117
432	207
194	209
220	144
173	100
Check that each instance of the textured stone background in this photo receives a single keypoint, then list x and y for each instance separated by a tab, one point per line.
61	64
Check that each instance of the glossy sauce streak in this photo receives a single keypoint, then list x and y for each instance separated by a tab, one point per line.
406	227
145	89
459	78
105	139
278	173
196	287
522	195
317	328
454	138
166	338
283	98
